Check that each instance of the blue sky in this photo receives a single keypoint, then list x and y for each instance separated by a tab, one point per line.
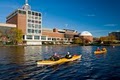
96	16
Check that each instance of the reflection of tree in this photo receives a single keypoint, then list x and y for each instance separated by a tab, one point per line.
18	55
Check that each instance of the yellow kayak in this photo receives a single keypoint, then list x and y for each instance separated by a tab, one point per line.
100	52
62	60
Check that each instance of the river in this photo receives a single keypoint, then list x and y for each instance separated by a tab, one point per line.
19	63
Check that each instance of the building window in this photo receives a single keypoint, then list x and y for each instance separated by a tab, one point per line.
29	12
22	12
29	20
29	30
32	30
36	14
54	39
36	26
49	39
33	13
39	14
32	21
39	31
29	25
29	36
32	25
39	26
37	37
43	37
23	36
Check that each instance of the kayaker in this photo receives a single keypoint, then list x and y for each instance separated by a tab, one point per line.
98	49
55	57
68	56
103	49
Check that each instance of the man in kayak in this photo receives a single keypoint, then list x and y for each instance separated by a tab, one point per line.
68	56
103	49
98	49
55	57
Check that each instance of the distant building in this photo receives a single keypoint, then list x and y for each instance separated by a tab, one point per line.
4	30
58	36
30	22
86	36
116	34
5	27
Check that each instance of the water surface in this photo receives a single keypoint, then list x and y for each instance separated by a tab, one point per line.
19	63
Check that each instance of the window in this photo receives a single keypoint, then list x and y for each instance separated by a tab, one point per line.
32	21
29	20
54	39
33	13
32	25
22	12
29	36
36	37
39	26
29	30
32	30
36	26
29	12
43	37
39	31
49	38
29	25
39	14
36	31
36	14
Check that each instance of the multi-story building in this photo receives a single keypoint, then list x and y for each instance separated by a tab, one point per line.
116	34
30	22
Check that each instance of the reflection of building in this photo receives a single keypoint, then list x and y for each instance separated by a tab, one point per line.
116	34
29	22
86	36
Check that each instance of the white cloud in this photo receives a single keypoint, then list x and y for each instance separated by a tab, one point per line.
112	25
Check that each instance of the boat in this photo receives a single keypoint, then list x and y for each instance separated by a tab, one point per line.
101	51
60	61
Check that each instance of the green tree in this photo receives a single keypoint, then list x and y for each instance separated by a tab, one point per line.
15	35
77	41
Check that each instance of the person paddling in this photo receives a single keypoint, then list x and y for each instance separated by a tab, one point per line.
98	49
68	56
55	57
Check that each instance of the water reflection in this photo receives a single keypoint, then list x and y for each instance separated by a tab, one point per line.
33	53
86	49
12	55
91	66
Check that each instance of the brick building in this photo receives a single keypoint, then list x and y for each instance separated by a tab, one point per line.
29	21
